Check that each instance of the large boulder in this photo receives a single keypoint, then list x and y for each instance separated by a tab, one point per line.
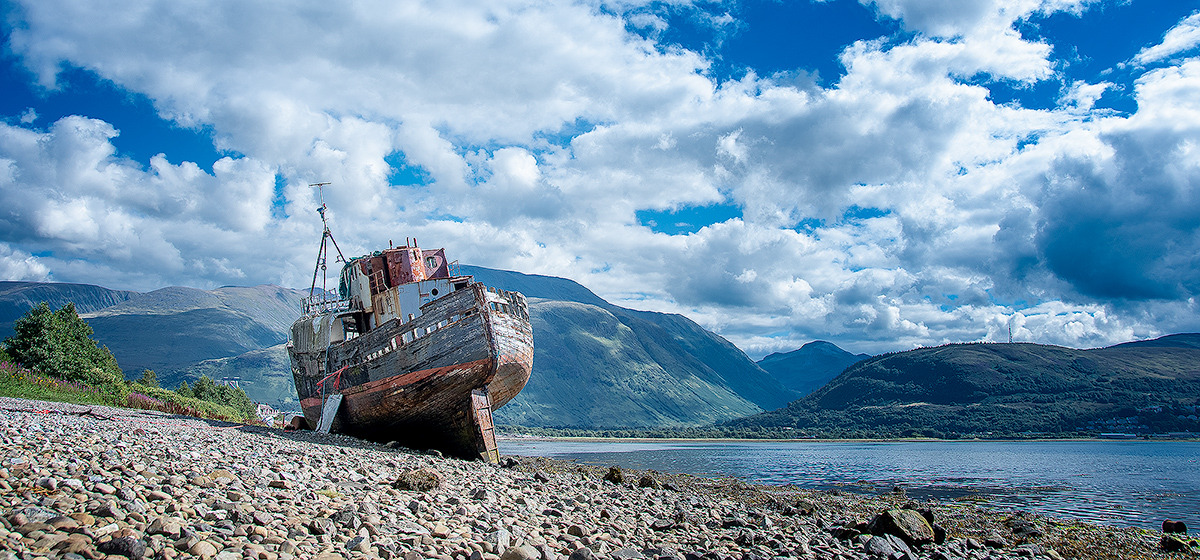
910	526
1174	542
418	480
1170	526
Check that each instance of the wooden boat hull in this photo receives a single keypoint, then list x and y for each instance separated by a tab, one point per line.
427	383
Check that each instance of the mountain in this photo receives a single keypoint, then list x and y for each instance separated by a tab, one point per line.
811	366
18	297
1186	340
172	328
265	374
1004	389
595	364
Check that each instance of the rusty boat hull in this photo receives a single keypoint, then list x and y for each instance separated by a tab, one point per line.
427	380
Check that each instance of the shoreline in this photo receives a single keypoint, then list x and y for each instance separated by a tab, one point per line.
99	482
838	440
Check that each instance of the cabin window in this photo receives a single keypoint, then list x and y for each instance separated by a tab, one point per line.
460	286
431	263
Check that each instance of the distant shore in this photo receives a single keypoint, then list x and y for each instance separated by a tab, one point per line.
101	482
830	440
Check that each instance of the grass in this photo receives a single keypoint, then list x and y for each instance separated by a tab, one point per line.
22	383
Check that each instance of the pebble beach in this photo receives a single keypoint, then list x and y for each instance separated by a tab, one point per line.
93	482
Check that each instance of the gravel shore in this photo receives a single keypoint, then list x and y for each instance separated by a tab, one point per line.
97	482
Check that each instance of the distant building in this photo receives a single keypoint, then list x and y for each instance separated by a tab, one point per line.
266	413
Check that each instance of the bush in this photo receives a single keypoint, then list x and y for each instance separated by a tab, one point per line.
172	401
225	395
148	379
59	344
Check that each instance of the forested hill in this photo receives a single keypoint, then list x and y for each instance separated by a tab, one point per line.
1004	389
810	367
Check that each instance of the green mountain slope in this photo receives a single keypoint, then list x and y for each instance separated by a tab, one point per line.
810	367
1001	389
167	341
595	364
265	375
591	369
18	297
698	362
169	329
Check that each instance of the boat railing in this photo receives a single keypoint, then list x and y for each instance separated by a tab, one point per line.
319	304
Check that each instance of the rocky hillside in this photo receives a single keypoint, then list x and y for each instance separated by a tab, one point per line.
1003	389
811	366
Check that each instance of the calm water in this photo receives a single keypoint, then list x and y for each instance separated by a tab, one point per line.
1131	483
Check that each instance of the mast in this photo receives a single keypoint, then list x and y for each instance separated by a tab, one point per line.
323	252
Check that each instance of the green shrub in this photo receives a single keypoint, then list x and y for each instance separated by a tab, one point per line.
148	379
193	406
59	344
233	397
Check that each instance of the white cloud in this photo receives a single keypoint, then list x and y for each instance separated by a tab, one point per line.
898	207
1183	37
1082	96
21	266
66	191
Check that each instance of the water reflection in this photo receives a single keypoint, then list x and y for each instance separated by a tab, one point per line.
1128	483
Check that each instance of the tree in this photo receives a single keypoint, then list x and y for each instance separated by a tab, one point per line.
184	390
149	378
207	389
59	344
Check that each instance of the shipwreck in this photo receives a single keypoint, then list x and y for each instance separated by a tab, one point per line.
409	350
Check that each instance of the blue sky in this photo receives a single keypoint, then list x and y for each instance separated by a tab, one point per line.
882	174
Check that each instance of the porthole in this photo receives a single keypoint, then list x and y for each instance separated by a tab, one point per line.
434	292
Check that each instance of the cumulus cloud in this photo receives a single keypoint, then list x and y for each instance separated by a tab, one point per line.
17	265
66	191
1183	37
900	206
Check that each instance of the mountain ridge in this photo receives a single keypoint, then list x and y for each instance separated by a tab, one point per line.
622	367
993	388
809	367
